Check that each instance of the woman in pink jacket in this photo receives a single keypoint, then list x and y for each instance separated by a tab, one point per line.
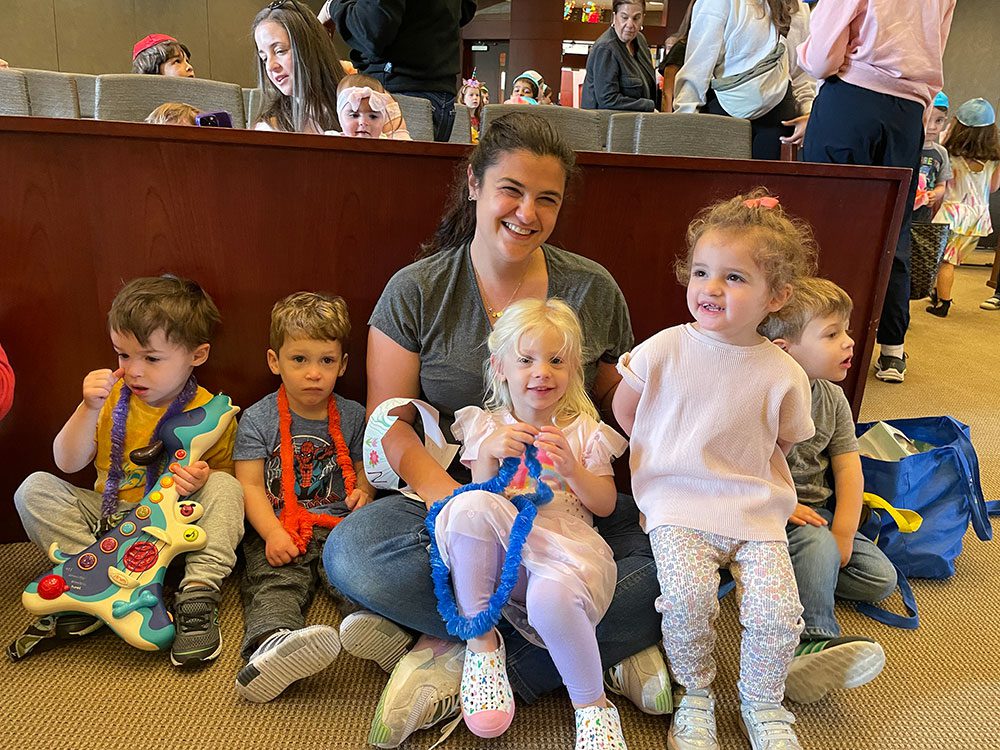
880	63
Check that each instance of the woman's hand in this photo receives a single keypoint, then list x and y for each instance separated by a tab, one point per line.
508	441
799	133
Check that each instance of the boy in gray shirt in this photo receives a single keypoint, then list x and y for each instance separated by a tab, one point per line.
829	556
298	457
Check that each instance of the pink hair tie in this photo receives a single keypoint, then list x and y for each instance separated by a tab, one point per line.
354	95
765	201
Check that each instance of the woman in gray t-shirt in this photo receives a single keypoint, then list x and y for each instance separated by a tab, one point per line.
427	340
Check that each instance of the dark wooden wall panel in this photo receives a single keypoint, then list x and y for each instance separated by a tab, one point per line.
253	216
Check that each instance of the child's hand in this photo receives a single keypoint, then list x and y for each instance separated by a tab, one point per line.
509	440
191	478
279	549
551	440
358	499
97	387
803	515
845	543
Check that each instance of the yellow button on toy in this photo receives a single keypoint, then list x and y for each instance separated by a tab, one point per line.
191	534
155	497
167	481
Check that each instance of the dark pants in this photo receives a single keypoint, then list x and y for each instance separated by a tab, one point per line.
853	125
443	106
766	130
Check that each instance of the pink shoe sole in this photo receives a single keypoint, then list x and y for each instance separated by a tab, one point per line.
488	724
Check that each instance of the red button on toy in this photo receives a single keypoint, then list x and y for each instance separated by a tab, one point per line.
180	454
52	586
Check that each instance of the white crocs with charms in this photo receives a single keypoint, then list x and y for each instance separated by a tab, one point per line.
487	700
599	728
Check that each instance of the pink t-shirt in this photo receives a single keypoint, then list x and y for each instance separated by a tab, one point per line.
890	46
704	444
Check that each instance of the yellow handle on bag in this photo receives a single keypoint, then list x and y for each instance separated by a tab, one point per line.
907	521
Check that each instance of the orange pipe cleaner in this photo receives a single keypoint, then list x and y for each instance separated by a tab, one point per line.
298	521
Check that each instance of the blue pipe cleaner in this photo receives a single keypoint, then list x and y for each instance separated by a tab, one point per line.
527	504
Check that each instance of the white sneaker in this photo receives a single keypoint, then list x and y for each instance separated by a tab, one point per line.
693	726
367	635
644	680
423	689
285	657
768	726
832	664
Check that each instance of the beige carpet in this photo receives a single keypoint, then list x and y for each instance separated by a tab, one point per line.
941	688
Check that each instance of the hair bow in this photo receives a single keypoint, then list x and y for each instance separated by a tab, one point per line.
765	201
354	95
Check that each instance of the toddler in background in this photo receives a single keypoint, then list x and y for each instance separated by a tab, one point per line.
365	110
159	54
974	147
470	96
173	113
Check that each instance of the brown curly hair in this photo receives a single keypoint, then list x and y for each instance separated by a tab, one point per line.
781	245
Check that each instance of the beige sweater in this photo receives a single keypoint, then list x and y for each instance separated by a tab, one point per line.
704	447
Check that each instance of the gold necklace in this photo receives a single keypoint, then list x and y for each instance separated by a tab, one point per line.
493	313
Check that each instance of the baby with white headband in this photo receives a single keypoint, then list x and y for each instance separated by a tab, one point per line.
365	110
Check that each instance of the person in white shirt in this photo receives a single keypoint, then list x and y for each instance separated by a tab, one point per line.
740	61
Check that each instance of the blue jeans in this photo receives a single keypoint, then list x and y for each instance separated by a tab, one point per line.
868	577
442	110
377	556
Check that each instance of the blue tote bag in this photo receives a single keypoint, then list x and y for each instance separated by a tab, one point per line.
942	485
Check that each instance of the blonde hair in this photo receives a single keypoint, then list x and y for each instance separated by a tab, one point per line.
781	245
310	315
173	113
180	307
813	298
529	317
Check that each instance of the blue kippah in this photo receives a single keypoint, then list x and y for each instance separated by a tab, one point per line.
976	113
941	100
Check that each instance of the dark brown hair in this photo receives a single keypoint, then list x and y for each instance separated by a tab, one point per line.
619	3
180	307
517	131
317	71
781	13
980	143
149	60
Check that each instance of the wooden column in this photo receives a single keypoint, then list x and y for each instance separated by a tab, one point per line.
536	37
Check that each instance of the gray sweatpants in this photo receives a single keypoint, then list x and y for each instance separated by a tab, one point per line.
53	510
277	598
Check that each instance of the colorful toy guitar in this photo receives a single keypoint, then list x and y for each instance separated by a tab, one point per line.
119	578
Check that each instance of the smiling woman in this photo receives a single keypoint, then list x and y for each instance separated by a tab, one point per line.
298	70
427	340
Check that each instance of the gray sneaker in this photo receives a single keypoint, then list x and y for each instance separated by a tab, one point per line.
820	666
50	631
768	726
285	657
643	679
890	369
196	616
424	689
367	635
693	726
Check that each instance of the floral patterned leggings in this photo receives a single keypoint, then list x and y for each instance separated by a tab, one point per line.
687	566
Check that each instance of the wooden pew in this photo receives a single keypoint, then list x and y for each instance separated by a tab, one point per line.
85	205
